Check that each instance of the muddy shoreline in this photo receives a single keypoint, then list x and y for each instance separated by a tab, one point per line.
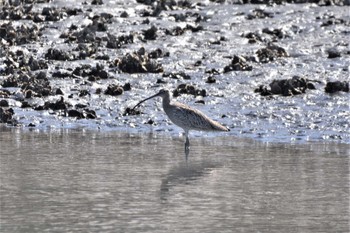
273	72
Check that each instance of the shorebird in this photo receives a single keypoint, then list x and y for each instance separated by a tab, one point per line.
186	117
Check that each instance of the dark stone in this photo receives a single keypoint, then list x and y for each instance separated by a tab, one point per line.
160	81
130	112
238	63
90	114
271	53
200	102
211	79
263	90
19	35
4	103
138	63
31	125
114	42
150	122
5	93
58	105
75	113
253	37
127	87
158	53
260	14
332	87
28	94
56	54
97	2
25	104
177	75
83	93
124	14
114	90
6	116
59	91
333	53
177	31
150	34
188	89
286	87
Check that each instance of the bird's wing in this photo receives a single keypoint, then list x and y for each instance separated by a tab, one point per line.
190	118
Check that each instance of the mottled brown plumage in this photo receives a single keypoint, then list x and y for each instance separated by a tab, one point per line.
186	117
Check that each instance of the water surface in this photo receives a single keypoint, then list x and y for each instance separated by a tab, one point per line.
81	181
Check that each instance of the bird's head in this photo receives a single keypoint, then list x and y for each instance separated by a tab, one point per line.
164	93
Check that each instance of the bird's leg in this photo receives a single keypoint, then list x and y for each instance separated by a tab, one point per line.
187	143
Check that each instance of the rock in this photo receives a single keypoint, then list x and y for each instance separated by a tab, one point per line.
75	113
83	93
138	63
57	54
332	87
4	103
96	2
31	125
278	33
263	91
238	63
271	53
6	116
25	104
58	105
124	14
90	114
19	35
158	53
333	53
127	87
150	34
114	42
188	89
177	75
200	102
4	93
211	79
131	112
286	87
260	14
253	37
114	90
59	91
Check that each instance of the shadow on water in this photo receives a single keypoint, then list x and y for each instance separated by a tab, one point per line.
81	181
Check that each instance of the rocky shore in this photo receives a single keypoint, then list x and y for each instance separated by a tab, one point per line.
277	70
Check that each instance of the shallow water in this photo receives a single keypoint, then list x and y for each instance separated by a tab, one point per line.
81	181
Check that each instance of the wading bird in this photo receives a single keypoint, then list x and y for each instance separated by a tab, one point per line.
186	117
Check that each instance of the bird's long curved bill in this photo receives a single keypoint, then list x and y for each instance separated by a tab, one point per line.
145	100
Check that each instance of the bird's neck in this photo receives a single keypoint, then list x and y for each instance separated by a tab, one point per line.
166	101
